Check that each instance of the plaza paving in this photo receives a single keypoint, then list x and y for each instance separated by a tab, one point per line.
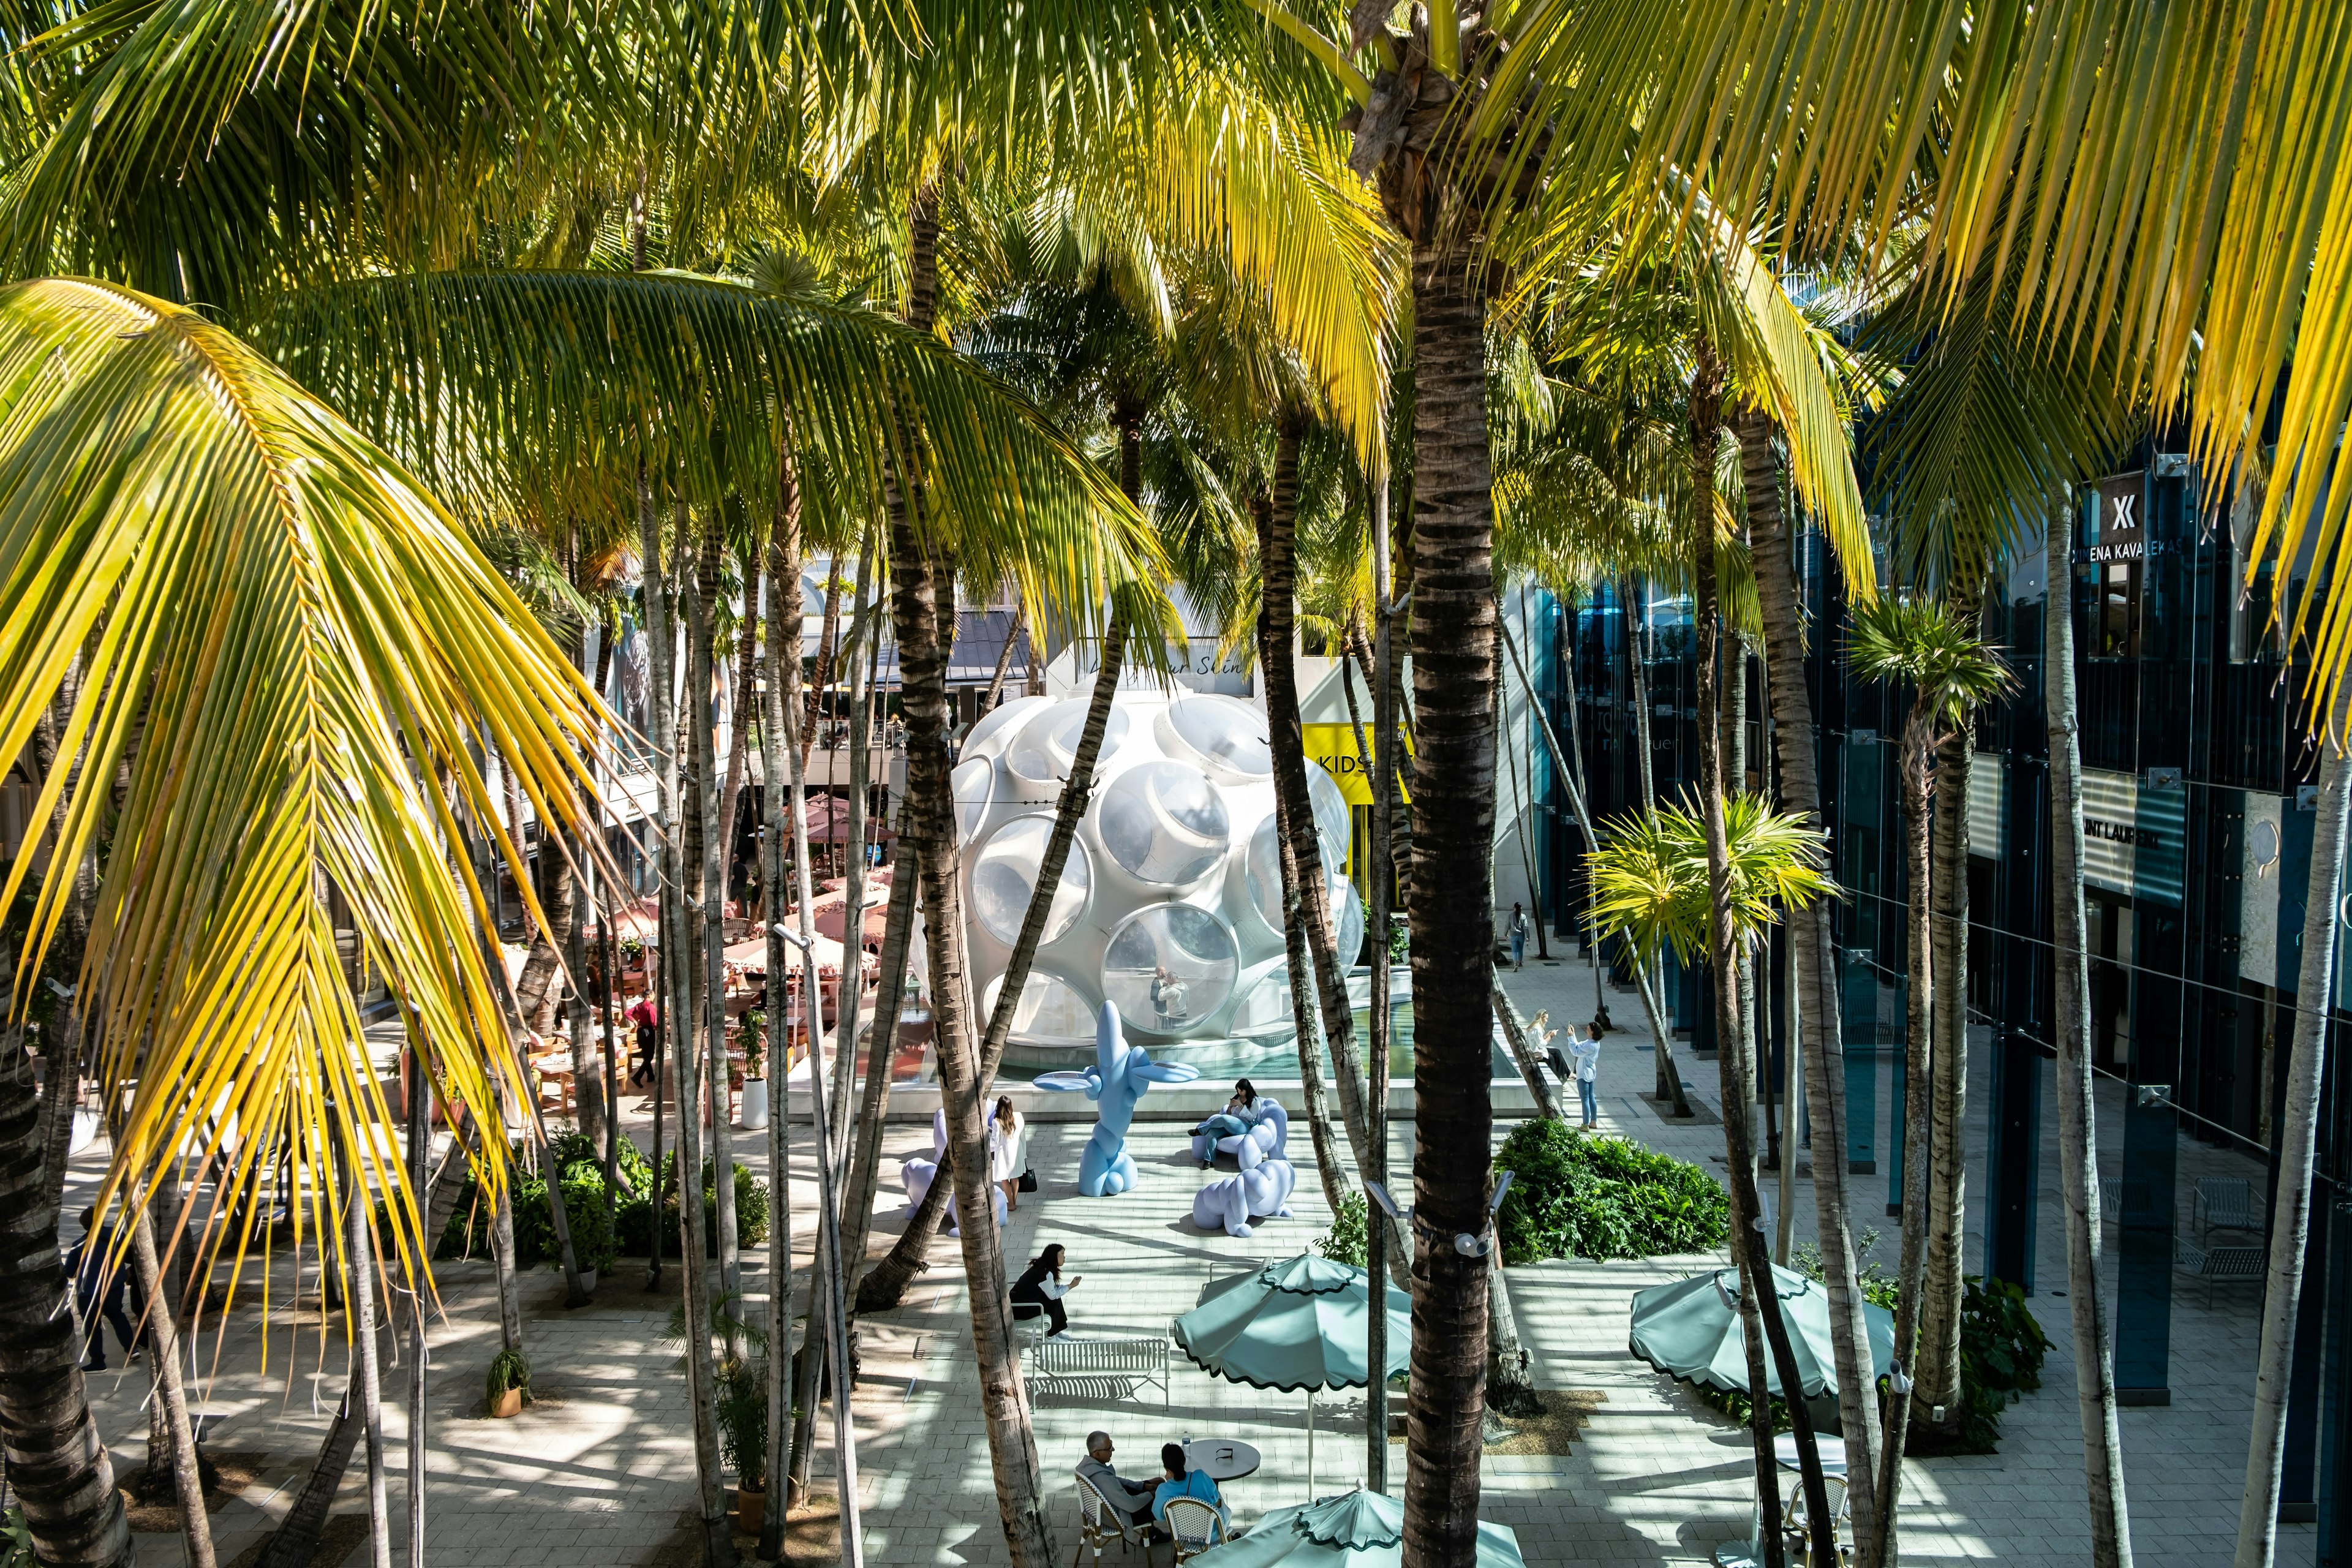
599	1471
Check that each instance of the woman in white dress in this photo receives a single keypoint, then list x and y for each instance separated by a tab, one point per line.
1004	1130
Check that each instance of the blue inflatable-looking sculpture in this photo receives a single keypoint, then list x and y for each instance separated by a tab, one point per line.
1119	1079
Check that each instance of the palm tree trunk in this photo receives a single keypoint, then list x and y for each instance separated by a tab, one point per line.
780	711
296	1539
2298	1129
502	1255
163	1347
359	1301
2094	1370
1723	965
701	609
1813	960
827	651
1939	1323
1451	905
817	1334
866	1169
1669	1087
928	815
1276	576
1004	656
738	717
420	1159
58	1469
1379	883
678	1025
1918	807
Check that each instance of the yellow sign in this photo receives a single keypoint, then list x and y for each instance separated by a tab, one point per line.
1333	746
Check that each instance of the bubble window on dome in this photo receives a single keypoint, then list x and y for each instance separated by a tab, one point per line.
974	786
1262	869
1170	966
1043	752
1051	1011
995	729
1004	877
1164	823
1228	736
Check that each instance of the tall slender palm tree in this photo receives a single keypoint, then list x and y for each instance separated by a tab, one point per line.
1951	672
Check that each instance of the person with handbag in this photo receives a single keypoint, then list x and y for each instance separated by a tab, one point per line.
1004	1130
1585	1054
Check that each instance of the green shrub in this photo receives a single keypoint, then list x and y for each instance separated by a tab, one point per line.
1574	1194
1350	1238
600	1233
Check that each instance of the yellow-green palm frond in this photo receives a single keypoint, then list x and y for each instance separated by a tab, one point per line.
492	384
1650	881
290	646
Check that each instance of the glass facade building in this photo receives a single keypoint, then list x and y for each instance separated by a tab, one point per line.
2199	799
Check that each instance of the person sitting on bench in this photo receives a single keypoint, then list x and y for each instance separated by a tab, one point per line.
1040	1287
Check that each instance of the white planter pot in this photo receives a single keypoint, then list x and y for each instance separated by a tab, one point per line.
755	1103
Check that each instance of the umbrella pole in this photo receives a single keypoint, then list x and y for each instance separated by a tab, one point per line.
1310	1445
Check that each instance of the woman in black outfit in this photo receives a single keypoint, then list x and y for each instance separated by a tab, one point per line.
1041	1289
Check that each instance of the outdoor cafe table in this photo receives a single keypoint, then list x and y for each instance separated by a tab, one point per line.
1222	1459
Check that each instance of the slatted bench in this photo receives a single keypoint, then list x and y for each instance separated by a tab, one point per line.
2220	1264
1097	1368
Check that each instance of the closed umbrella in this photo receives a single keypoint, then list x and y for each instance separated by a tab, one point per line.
1301	1323
1691	1329
1353	1530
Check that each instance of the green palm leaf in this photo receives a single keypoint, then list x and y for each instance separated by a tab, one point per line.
287	643
1650	879
498	386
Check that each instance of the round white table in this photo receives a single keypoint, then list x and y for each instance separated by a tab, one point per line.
1223	1458
1832	1449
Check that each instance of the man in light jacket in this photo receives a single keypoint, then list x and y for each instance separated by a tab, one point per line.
1131	1498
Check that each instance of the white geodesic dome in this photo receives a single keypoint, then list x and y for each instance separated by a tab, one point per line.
1171	905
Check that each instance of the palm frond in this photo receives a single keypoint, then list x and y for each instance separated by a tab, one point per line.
1650	882
290	646
494	384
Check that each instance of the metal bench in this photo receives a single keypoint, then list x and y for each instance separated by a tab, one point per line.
2220	1264
2224	1204
1066	1365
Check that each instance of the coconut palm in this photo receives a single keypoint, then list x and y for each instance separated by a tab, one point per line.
1915	641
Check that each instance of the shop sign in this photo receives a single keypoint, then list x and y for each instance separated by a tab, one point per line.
2133	839
2118	529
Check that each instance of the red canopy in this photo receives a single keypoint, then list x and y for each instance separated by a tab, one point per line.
828	821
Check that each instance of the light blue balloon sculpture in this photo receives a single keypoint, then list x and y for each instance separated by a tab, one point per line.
1119	1079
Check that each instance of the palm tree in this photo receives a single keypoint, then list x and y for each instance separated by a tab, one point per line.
1664	878
464	660
2094	1370
1951	673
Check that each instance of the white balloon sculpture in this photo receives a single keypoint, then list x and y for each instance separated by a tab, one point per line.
1171	905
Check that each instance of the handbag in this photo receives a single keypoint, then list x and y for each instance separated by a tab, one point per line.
1028	1180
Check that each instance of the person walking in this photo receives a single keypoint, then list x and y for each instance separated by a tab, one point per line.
1004	1130
647	1017
1518	929
101	1296
1041	1289
1584	1060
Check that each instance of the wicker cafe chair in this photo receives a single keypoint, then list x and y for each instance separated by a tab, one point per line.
1800	1527
1099	1523
1195	1525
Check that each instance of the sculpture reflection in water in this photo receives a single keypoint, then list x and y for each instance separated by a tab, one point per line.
1119	1079
1170	903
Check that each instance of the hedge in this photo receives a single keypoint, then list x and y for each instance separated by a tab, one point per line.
1574	1194
599	1234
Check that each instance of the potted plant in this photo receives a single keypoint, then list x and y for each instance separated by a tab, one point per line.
754	1037
743	1437
509	1384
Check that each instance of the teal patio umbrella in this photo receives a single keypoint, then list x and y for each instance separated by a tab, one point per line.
1353	1530
1691	1330
1301	1323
